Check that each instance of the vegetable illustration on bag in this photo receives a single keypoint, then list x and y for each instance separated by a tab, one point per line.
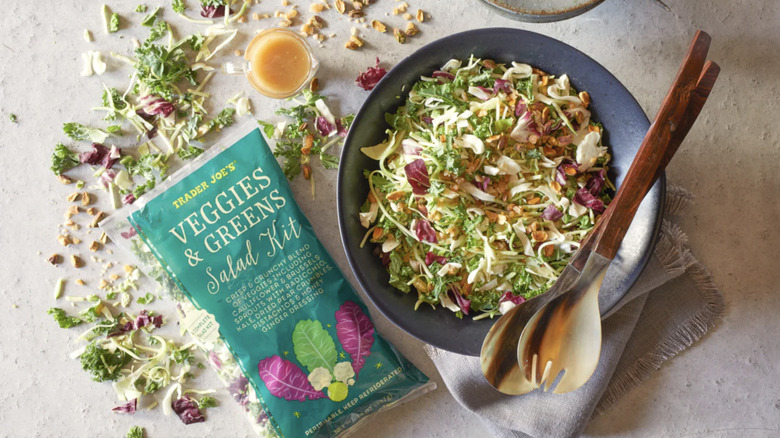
315	349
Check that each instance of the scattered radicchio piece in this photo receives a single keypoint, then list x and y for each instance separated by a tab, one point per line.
111	157
129	233
213	11
127	408
95	156
586	199
463	303
443	74
417	175
368	79
187	411
324	127
526	126
128	198
146	116
107	177
484	184
340	129
215	361
286	380
153	105
487	91
565	140
509	296
560	173
425	231
596	183
427	119
503	85
142	320
385	257
411	147
355	332
239	390
551	213
430	257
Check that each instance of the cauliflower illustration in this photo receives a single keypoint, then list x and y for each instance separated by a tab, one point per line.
320	378
343	372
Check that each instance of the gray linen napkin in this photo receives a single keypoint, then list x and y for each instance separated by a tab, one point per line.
673	304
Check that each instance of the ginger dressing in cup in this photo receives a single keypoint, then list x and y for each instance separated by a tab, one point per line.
279	63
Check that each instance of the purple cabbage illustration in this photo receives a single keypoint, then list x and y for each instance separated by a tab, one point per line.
285	380
356	333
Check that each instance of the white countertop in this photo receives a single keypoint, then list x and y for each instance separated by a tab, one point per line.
725	385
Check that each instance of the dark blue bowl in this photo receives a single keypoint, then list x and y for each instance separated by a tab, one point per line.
625	124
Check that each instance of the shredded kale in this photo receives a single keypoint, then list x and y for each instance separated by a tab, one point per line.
158	30
135	432
12	118
223	119
178	6
149	19
189	152
206	402
77	131
140	8
63	159
103	364
113	23
160	68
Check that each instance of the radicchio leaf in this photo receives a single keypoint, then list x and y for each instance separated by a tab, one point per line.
463	303
355	332
368	79
411	147
509	296
285	380
425	231
95	156
153	105
417	175
127	408
586	199
521	108
340	129
213	11
551	213
503	85
187	411
443	74
430	257
128	198
129	233
324	127
596	183
560	174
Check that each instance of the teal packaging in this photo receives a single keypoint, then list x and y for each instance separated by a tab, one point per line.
231	237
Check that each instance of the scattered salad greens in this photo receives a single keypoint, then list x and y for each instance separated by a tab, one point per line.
63	159
313	130
12	118
490	177
135	432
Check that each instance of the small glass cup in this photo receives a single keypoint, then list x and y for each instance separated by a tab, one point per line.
277	62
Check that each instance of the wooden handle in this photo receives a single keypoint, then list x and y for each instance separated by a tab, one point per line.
677	114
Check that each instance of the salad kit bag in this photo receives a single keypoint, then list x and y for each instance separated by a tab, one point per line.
284	329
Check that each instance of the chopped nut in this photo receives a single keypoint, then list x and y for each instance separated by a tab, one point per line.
548	250
534	200
285	23
571	171
555	185
255	16
114	276
585	98
340	6
355	39
76	261
317	22
94	246
378	26
242	19
291	15
316	7
593	128
377	233
64	240
86	199
54	259
408	16
314	85
103	284
358	5
80	282
306	171
420	15
308	142
73	196
64	179
351	45
285	2
69	223
72	211
355	14
399	35
103	238
395	195
92	211
237	52
539	236
75	240
128	268
411	29
307	29
98	217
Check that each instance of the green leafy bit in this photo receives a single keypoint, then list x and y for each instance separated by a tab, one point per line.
63	319
223	119
12	118
178	6
140	8
149	19
113	23
189	152
77	132
160	68
103	364
146	299
158	31
207	402
63	159
135	432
